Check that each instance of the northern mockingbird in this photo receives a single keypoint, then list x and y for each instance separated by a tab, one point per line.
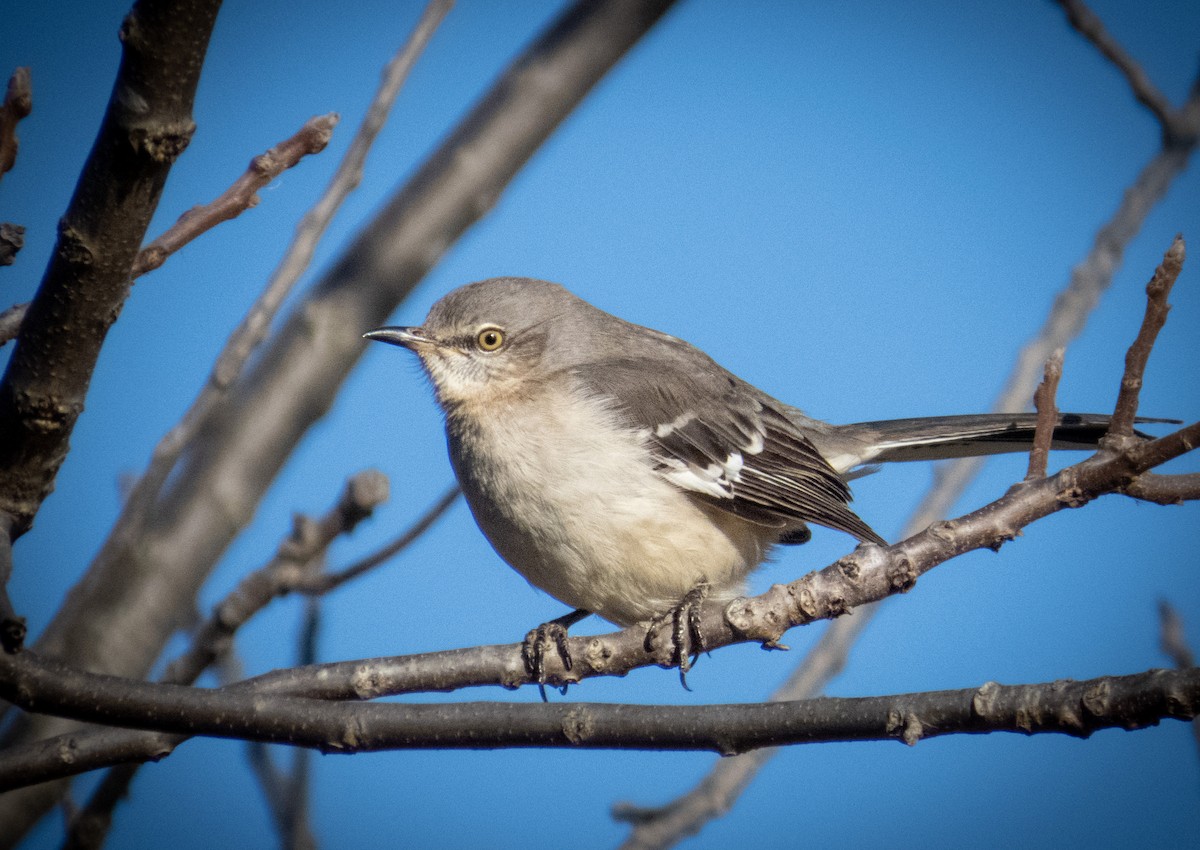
617	468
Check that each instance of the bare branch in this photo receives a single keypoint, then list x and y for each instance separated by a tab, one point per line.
1072	708
243	194
321	583
1165	489
309	139
1157	292
12	626
10	322
18	103
1043	401
1089	25
308	540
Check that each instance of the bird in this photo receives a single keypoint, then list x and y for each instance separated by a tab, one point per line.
619	468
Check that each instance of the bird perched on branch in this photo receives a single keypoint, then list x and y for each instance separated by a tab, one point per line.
619	468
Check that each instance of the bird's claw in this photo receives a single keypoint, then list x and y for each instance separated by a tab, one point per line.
538	640
687	641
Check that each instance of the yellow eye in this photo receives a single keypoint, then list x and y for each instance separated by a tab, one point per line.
490	339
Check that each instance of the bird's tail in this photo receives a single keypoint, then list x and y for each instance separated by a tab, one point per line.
944	437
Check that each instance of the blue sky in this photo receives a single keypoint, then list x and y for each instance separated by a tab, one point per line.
865	209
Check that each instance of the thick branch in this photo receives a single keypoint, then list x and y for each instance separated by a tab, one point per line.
1073	708
147	125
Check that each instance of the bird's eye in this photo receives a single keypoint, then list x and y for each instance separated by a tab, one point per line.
490	339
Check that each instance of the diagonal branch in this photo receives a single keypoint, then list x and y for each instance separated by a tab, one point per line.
1089	25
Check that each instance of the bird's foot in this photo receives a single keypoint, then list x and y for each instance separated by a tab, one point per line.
687	642
546	636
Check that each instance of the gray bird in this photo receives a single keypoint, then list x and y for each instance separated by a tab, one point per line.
618	468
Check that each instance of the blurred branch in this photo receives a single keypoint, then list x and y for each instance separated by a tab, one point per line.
87	279
18	103
1068	707
1174	644
12	626
288	793
1089	25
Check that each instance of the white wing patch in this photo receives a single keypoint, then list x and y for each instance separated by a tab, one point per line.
715	478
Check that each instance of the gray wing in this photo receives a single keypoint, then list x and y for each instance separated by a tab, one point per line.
714	435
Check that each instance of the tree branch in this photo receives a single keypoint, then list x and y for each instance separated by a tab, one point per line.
12	240
1157	292
1089	25
147	125
1068	707
18	103
239	197
1047	410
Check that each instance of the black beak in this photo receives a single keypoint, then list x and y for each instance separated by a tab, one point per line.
411	338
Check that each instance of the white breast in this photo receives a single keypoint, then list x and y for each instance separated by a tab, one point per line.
569	499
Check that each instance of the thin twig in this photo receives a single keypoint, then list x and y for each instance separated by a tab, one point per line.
321	583
1157	292
239	197
18	103
1047	410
